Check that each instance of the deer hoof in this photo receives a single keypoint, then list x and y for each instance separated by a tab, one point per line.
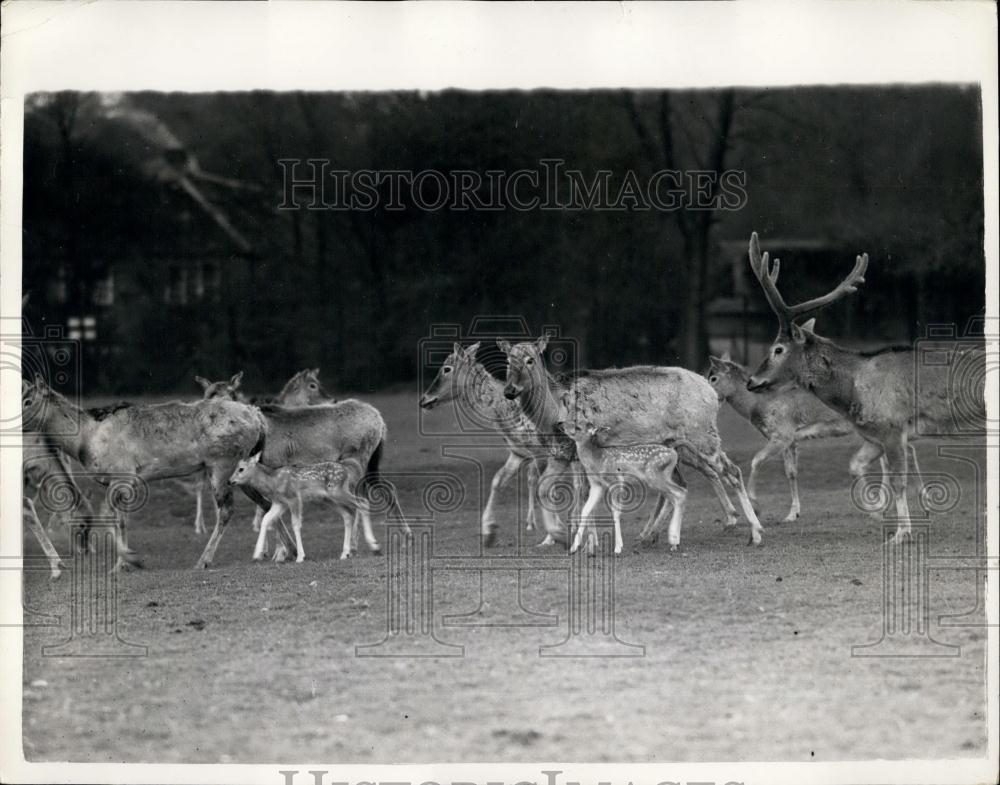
754	540
489	538
650	540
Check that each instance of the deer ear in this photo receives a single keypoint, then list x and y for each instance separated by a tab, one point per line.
235	381
726	357
471	351
205	383
504	345
541	343
456	348
40	383
809	325
798	334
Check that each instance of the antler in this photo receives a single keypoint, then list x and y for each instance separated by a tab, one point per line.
767	275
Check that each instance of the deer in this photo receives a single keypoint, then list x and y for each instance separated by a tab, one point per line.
149	442
224	389
784	418
334	430
47	470
637	405
288	486
875	391
653	466
461	377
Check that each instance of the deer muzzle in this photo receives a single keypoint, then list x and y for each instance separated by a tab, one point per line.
511	391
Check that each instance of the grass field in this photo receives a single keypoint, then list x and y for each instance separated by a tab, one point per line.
747	650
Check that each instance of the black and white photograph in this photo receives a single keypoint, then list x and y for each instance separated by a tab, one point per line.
402	391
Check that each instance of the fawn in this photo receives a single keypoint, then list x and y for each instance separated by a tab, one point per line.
288	486
609	467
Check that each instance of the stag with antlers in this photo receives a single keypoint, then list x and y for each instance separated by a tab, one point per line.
875	391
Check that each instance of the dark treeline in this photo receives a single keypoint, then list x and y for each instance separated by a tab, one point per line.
156	216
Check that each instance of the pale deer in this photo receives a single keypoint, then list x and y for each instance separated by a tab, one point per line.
638	405
652	466
198	485
144	443
289	486
462	377
47	473
875	391
784	418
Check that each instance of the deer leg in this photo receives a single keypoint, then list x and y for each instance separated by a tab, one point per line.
260	550
350	521
224	504
596	494
731	476
895	454
287	544
616	514
555	529
366	525
297	529
649	533
500	479
772	447
199	516
533	475
732	517
791	458
921	489
126	556
868	452
678	496
35	525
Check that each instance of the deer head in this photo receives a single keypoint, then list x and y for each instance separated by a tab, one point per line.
725	376
304	389
244	470
453	374
786	358
525	366
223	389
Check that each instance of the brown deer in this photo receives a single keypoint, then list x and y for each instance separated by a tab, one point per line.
637	405
875	391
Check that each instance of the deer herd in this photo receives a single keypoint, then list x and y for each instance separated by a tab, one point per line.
599	430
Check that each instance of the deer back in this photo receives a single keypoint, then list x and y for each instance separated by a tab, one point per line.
647	405
318	434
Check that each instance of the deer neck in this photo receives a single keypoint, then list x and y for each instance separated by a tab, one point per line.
828	372
71	441
540	404
741	399
484	394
